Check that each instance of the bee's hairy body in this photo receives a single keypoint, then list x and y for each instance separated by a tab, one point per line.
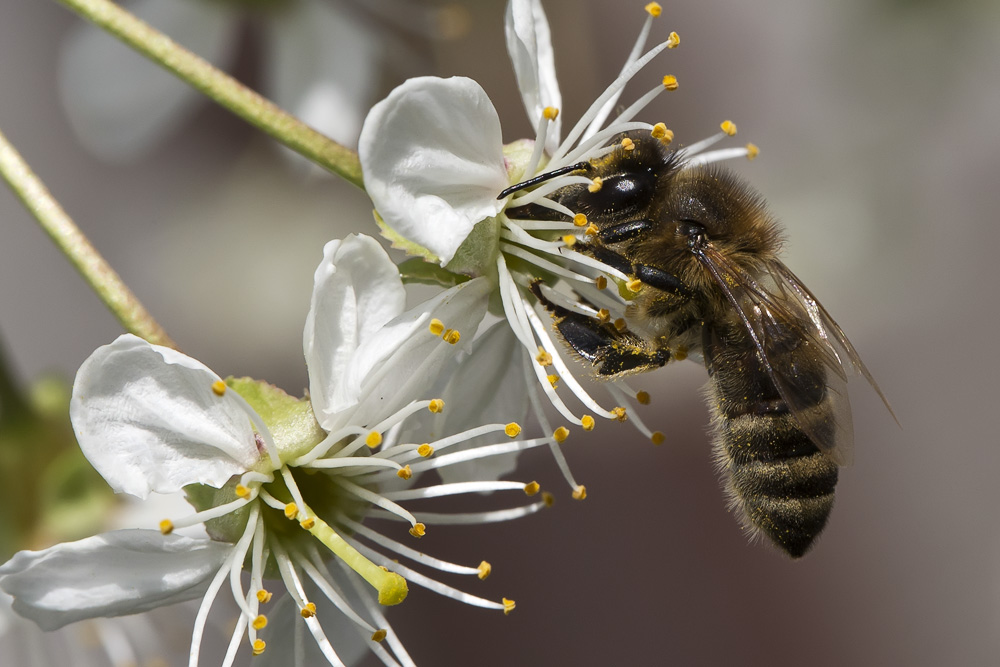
666	225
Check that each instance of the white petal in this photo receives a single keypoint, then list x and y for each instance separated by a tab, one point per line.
119	103
487	387
530	47
432	158
323	66
357	291
147	419
114	574
416	355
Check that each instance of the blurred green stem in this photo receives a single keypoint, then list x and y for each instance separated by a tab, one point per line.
222	88
12	402
61	228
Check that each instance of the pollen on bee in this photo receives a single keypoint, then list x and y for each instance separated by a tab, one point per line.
642	397
588	423
418	530
425	450
484	570
219	387
436	327
260	622
580	492
309	610
657	438
729	127
264	596
543	358
580	220
670	82
374	439
550	113
673	41
560	434
379	635
406	472
628	144
595	185
553	379
620	413
166	526
752	151
258	646
654	9
661	132
436	406
508	606
512	430
601	282
531	488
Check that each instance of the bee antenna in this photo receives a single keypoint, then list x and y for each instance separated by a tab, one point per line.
542	178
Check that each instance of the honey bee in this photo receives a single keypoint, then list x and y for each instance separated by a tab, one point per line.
703	253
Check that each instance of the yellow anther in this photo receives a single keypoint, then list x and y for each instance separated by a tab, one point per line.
580	493
620	414
260	622
258	646
604	315
543	358
620	324
553	379
588	423
548	498
601	282
508	606
642	397
425	450
634	285
661	132
484	570
291	510
406	472
591	229
308	523
452	336
569	240
654	9
242	491
560	434
308	611
374	439
657	438
418	530
580	220
628	144
531	488
729	127
752	151
550	113
673	41
512	430
680	354
379	635
436	406
436	327
166	526
670	82
219	387
595	184
264	596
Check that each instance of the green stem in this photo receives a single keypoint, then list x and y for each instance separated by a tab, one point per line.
13	404
60	227
222	88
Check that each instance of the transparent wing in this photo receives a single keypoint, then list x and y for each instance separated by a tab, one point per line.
781	315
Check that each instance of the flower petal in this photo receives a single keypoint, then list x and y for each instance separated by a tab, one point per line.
323	66
114	574
432	158
148	420
118	103
357	291
530	47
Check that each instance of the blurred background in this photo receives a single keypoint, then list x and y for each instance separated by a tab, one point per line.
880	153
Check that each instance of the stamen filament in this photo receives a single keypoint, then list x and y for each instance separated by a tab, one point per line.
210	513
699	146
375	499
207	601
403	550
717	156
355	462
543	421
468	518
331	439
582	152
452	489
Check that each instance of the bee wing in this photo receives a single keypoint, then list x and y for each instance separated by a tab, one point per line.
778	312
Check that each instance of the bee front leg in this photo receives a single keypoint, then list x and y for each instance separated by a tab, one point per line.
612	350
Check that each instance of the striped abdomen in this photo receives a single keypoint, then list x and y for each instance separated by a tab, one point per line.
779	482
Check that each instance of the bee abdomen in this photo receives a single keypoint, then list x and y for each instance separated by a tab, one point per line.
779	482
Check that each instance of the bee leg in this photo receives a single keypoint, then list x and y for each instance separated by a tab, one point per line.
612	350
607	256
624	231
661	280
